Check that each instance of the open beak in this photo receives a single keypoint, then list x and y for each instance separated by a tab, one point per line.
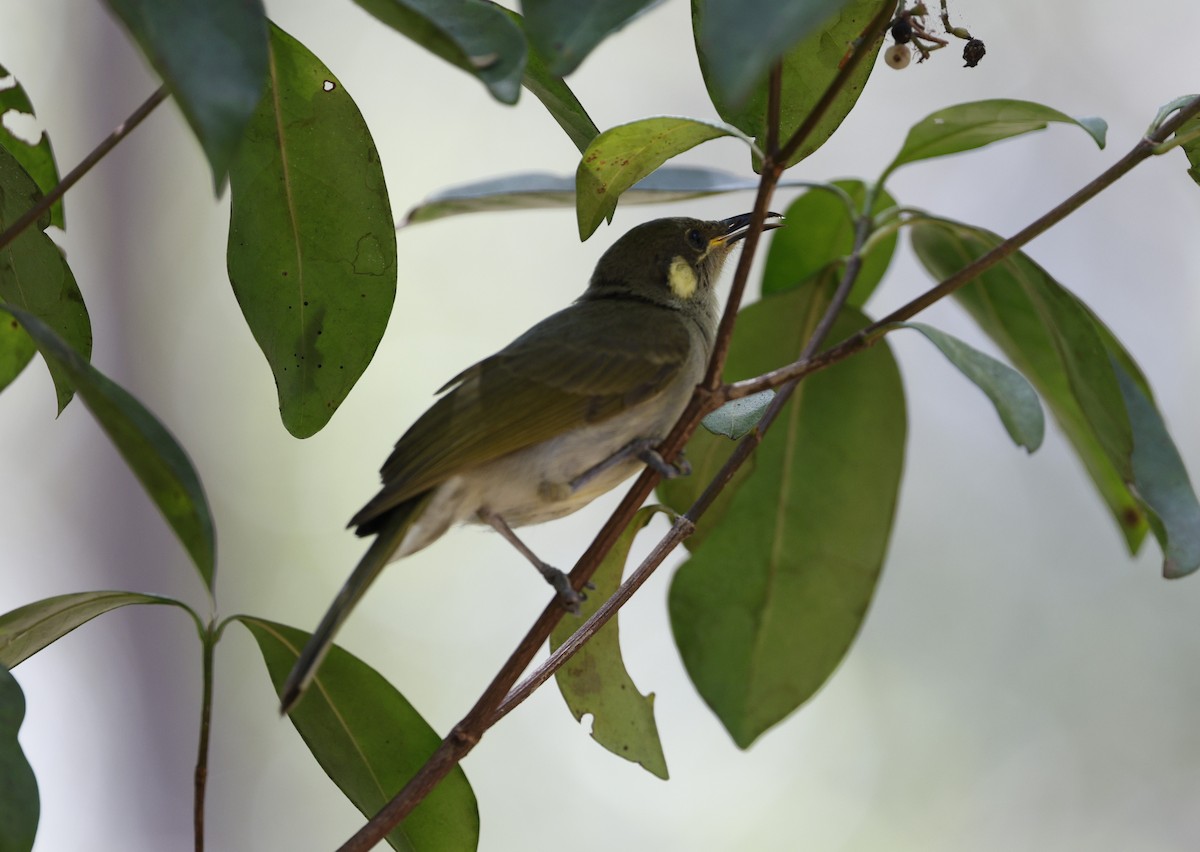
739	225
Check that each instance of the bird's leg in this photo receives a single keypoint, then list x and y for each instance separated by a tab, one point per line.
567	596
643	449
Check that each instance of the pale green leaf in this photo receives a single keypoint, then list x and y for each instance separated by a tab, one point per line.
595	681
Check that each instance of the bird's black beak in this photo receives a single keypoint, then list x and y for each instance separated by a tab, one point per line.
739	226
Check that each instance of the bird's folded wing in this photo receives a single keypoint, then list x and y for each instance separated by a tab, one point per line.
602	359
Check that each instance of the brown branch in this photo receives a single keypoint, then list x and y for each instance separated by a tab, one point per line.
123	129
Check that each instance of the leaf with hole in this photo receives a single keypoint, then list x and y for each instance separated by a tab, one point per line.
213	58
370	741
312	245
147	447
595	681
37	158
34	277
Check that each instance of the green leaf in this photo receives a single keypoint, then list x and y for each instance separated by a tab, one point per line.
212	56
749	355
1190	130
538	190
738	417
34	276
36	158
370	741
623	155
556	96
806	533
1014	398
1161	482
147	447
739	40
30	628
476	36
809	67
312	245
19	802
972	125
1053	340
595	681
566	31
820	232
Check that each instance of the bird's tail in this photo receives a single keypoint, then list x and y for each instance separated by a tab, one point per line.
390	534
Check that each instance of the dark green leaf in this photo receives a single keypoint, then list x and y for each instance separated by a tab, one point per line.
30	628
738	40
623	155
738	416
809	67
1014	398
1161	482
19	803
476	36
370	741
37	158
766	608
34	276
820	232
566	31
748	356
312	245
556	96
1053	340
595	681
537	190
151	453
212	56
972	125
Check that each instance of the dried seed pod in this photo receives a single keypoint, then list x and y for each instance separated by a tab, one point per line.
973	51
898	56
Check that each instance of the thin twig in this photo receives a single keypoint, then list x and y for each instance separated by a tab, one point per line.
208	642
123	129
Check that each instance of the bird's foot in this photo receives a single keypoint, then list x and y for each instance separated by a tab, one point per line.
664	468
567	595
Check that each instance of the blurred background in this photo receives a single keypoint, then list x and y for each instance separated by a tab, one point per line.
1020	682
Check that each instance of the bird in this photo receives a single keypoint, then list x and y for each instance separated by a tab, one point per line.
563	414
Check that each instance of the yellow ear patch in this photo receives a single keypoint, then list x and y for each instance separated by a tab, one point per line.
682	278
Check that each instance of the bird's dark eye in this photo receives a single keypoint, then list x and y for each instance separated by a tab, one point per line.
697	239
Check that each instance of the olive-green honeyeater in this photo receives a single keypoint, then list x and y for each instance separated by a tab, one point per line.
564	413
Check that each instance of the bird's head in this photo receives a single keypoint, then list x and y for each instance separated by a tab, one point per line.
672	262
